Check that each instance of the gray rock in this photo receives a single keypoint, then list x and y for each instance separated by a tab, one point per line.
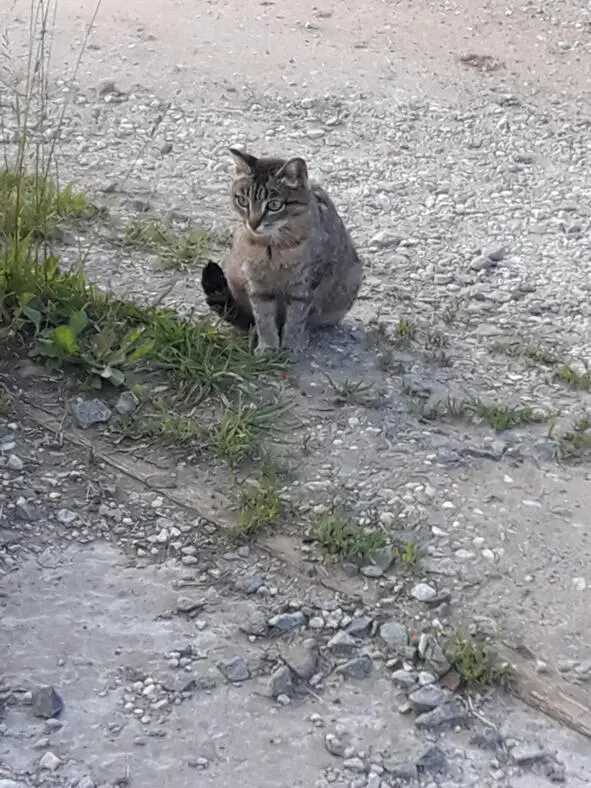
26	511
6	783
342	644
384	239
383	558
250	584
495	253
50	761
235	670
281	682
372	571
302	659
86	782
402	771
88	412
432	655
404	678
358	668
423	592
528	754
489	739
426	679
66	516
426	698
355	764
190	605
335	745
394	635
46	703
255	624
446	715
359	627
126	403
433	761
286	622
15	463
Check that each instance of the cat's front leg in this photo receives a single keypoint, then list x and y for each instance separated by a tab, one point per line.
264	307
296	331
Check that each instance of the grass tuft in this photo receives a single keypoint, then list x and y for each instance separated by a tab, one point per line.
576	380
575	445
237	434
31	206
405	330
503	417
342	539
478	664
259	505
410	555
174	248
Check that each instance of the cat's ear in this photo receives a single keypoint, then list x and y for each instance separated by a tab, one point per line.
294	173
245	163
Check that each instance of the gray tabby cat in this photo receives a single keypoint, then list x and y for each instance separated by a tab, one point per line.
292	266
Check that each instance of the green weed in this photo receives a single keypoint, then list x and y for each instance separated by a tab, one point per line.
259	506
503	417
575	445
32	206
175	249
477	663
341	538
576	380
410	555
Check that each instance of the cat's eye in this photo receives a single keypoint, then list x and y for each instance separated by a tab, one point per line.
241	200
274	205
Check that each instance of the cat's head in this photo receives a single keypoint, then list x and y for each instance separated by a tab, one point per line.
271	196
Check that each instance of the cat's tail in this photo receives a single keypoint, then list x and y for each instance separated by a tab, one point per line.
220	299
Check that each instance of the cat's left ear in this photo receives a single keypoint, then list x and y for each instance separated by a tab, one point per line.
245	163
294	174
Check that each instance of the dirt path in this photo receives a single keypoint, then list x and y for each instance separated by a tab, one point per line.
376	47
466	185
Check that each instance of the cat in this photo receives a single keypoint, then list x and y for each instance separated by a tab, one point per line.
293	266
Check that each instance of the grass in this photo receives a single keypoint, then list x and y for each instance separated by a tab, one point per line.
541	355
410	555
237	434
350	392
31	205
259	504
405	330
497	416
175	249
503	417
477	664
575	444
342	539
544	356
576	380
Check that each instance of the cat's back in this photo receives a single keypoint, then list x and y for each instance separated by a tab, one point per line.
331	226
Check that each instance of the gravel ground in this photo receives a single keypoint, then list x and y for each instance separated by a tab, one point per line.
179	658
468	198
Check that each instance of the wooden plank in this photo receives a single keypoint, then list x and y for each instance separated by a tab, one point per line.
569	704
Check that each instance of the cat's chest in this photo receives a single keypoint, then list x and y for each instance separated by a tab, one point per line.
282	268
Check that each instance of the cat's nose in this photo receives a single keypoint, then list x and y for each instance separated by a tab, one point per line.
254	222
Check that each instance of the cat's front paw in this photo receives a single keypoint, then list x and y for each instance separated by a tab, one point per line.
294	346
265	349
